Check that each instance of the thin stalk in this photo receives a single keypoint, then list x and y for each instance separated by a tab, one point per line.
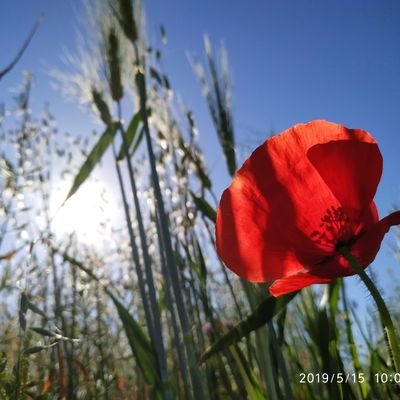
280	362
182	360
237	378
224	272
22	141
100	343
265	362
68	356
156	317
73	320
59	319
167	242
352	345
263	343
252	388
386	320
17	367
134	250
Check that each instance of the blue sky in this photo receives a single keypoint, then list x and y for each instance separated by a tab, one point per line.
292	61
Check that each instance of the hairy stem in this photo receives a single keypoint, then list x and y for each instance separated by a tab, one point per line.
384	314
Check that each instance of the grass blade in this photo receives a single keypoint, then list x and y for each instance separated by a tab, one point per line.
166	241
264	313
139	343
205	207
93	158
129	135
352	345
253	389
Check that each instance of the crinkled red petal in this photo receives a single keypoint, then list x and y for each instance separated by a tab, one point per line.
351	169
368	245
247	240
295	282
267	217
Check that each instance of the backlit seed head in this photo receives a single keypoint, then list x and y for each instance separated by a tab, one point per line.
114	66
127	20
101	106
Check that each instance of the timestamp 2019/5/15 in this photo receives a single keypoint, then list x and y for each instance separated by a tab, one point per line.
384	377
325	377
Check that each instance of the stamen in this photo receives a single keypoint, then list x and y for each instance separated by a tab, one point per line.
335	229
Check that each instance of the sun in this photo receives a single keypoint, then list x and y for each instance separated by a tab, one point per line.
86	214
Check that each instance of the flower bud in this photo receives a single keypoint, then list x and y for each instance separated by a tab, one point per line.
207	328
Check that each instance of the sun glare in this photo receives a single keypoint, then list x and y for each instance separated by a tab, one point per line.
84	214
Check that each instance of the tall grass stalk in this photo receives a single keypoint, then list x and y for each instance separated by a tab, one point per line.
170	302
156	317
166	238
352	345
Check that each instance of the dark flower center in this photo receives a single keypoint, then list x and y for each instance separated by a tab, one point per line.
335	230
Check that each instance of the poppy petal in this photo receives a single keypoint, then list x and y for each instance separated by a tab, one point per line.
282	216
368	245
370	217
351	169
263	214
282	177
295	282
246	241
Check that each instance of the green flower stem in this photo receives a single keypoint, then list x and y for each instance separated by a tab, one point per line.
352	345
385	317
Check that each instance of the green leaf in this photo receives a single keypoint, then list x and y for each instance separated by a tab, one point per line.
204	206
137	143
93	158
270	307
42	331
36	310
34	349
202	268
139	343
252	387
77	264
129	135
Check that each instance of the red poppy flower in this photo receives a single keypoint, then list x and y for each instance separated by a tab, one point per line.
299	197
